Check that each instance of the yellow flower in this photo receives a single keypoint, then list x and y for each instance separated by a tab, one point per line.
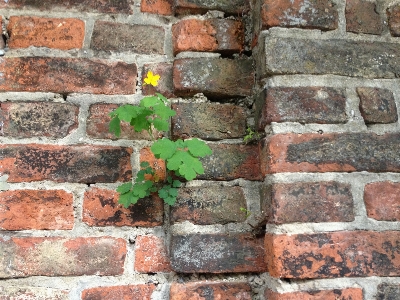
151	79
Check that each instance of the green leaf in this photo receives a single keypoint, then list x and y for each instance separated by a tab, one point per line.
163	111
163	148
162	98
176	183
186	165
160	124
144	164
150	101
170	200
115	126
173	192
198	148
127	112
142	190
128	199
141	123
124	188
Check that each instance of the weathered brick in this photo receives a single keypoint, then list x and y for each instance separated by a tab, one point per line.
54	256
215	77
98	122
232	7
299	13
30	119
85	164
30	292
62	34
308	202
67	75
143	39
120	6
159	7
216	253
388	291
101	208
137	291
332	56
36	209
158	165
230	161
382	200
209	205
301	104
377	105
208	121
337	294
361	17
165	85
393	13
151	255
225	36
332	152
332	255
210	290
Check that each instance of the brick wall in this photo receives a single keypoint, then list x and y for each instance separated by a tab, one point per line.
317	79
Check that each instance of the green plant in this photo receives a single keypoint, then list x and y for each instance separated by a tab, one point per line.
181	156
251	136
245	211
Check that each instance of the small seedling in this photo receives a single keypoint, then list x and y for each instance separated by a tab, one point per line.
247	212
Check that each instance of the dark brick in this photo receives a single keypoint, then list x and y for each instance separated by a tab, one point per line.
215	77
210	290
67	75
30	119
230	161
320	14
137	291
230	7
119	6
377	105
225	36
56	256
143	39
301	104
30	292
159	7
216	253
165	85
336	152
382	200
209	205
308	202
394	20
344	294
388	291
208	121
84	164
361	17
333	254
338	57
101	208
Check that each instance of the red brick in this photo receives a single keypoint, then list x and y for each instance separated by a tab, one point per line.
337	294
377	105
120	37
382	200
308	202
336	152
217	253
159	7
55	256
84	164
301	104
67	75
203	290
234	161
361	17
30	119
120	6
32	293
225	36
216	78
101	208
98	123
36	209
299	13
64	34
208	121
332	255
151	255
158	165
209	205
165	85
232	7
125	292
393	13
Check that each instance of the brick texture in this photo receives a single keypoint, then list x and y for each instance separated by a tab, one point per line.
233	7
138	291
151	255
38	256
160	7
388	291
382	200
165	85
361	17
337	294
394	20
332	255
28	292
64	34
